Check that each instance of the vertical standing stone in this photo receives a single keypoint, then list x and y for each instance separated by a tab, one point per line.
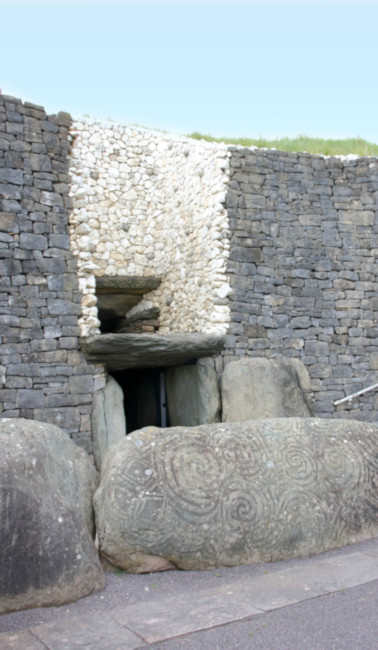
192	395
108	419
265	388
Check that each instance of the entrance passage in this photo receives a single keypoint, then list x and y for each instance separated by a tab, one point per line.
144	397
186	395
117	295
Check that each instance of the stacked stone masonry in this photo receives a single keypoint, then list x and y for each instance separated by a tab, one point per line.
277	250
43	373
303	268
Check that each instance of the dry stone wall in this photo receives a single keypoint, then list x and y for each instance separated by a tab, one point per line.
278	250
147	203
303	268
43	373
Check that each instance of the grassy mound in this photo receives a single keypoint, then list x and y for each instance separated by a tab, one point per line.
302	143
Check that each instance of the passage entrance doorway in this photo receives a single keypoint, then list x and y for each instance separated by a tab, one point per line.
144	397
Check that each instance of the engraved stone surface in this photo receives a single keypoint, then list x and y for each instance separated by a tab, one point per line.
265	388
47	554
237	493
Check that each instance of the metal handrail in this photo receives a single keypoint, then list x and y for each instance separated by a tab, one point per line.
353	395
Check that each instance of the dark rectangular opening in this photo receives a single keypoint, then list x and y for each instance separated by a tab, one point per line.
144	397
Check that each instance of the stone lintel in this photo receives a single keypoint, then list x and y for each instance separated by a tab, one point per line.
126	351
135	284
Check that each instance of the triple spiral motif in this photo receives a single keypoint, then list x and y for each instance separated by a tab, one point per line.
243	492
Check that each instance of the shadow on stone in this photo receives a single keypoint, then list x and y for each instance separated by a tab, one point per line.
47	554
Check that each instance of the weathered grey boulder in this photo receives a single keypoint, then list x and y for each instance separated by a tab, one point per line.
192	395
47	554
265	388
108	419
229	494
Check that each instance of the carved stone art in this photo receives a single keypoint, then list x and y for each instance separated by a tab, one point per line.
237	493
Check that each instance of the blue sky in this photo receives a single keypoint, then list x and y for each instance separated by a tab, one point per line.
233	68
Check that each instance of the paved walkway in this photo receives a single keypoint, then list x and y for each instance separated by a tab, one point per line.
167	621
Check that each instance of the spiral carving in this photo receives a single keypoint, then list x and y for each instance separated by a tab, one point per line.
341	463
299	464
190	472
239	492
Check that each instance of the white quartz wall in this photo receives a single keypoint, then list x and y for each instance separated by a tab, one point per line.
152	204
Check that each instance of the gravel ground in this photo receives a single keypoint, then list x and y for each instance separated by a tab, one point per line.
126	589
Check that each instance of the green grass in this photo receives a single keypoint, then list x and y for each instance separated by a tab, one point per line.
302	143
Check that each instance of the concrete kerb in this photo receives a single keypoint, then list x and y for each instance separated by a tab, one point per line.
141	624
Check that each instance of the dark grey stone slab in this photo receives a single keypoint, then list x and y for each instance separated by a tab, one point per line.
15	176
129	284
8	222
122	351
38	162
57	307
33	242
9	191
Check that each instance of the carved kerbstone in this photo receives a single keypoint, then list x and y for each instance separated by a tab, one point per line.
237	493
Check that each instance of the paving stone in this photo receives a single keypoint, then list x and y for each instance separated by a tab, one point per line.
338	573
20	640
246	598
99	631
184	614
